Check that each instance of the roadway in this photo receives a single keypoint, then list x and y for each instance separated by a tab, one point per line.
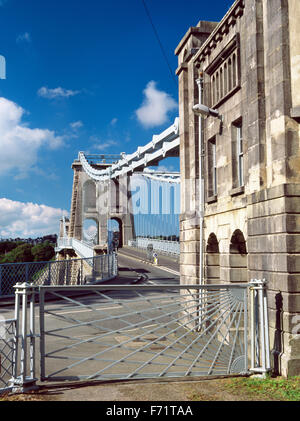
134	261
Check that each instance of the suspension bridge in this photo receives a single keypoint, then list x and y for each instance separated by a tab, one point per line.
121	193
105	311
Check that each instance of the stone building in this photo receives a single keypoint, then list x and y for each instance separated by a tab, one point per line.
244	158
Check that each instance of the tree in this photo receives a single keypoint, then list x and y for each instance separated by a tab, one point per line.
42	252
21	253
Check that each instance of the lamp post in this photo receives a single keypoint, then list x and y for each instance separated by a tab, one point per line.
202	111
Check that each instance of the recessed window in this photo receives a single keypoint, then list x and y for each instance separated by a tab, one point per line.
224	73
212	168
237	155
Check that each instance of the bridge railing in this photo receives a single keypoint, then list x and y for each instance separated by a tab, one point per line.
163	246
58	272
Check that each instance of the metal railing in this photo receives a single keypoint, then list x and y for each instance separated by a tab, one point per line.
82	248
58	272
7	353
163	246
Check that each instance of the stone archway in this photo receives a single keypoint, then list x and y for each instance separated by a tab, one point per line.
238	257
119	224
212	260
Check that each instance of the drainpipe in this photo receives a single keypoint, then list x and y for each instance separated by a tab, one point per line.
199	82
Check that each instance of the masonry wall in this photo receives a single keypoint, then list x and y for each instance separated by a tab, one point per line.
255	226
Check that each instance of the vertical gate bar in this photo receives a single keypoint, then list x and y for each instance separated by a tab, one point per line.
81	274
32	336
0	280
266	329
262	329
42	334
24	335
257	340
246	326
252	321
16	341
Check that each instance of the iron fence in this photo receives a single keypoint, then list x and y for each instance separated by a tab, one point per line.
58	272
163	246
7	352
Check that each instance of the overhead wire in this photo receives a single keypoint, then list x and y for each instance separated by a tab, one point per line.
160	43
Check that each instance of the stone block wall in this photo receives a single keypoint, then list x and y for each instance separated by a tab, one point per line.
255	226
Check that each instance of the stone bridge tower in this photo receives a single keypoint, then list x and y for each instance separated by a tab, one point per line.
100	201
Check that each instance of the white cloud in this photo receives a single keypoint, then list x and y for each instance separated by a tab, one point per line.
23	38
19	144
113	121
18	219
155	108
100	145
76	125
56	92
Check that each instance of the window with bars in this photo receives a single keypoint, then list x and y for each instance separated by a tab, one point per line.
224	73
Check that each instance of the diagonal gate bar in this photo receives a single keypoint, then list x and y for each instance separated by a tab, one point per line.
128	332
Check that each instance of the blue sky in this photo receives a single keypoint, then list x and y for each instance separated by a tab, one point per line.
81	76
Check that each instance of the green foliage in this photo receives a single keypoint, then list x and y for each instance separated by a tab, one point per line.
7	246
14	252
21	253
278	388
42	252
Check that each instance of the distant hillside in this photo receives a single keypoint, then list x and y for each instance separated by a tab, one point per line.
21	251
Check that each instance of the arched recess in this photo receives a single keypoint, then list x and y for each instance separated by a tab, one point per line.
89	196
115	225
90	230
212	260
238	257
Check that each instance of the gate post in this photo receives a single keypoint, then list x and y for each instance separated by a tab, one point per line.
21	382
259	341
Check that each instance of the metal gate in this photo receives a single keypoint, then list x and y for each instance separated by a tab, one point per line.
109	332
129	332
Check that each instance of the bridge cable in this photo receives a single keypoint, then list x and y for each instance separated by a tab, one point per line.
160	44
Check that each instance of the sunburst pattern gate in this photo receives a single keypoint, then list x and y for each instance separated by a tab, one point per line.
129	332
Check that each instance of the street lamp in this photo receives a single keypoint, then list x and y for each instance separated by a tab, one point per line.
205	111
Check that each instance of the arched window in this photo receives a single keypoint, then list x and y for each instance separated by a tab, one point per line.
238	257
212	260
89	196
213	91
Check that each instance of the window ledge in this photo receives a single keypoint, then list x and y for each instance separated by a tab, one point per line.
212	199
237	190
